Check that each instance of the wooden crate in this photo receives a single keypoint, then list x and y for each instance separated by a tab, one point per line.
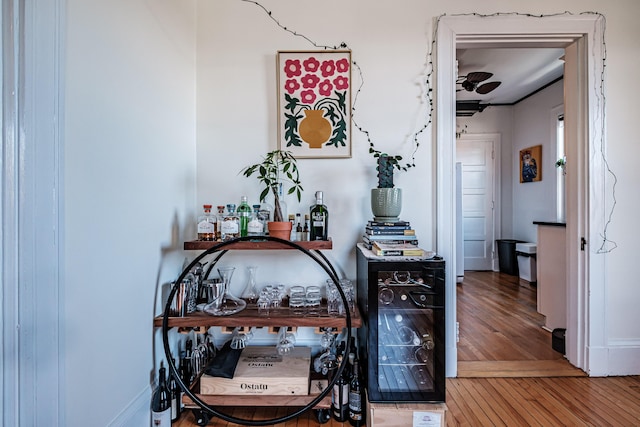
406	414
262	371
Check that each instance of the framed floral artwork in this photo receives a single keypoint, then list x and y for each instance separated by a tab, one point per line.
314	103
530	164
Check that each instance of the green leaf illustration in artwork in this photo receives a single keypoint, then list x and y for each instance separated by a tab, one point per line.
291	123
291	102
339	136
291	130
333	115
342	103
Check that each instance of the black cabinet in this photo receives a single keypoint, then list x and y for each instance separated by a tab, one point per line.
402	339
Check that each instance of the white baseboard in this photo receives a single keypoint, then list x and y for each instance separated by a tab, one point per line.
618	359
137	413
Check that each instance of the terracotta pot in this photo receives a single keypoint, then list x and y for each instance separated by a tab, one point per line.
281	230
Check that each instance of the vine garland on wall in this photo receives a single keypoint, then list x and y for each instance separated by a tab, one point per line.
606	244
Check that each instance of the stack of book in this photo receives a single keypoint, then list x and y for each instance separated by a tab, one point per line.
391	239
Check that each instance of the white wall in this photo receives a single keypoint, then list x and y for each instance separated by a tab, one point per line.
535	201
130	148
129	174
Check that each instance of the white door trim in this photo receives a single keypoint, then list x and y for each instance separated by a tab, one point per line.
33	372
521	30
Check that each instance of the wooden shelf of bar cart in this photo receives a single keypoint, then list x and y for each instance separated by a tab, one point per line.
249	317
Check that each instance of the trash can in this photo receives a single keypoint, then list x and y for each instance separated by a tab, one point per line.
558	340
507	259
526	253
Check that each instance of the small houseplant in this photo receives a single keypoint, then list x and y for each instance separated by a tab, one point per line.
386	200
278	167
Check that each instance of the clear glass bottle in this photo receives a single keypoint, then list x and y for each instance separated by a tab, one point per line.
292	220
256	225
283	204
251	293
244	213
266	212
305	229
219	219
230	228
319	219
298	227
206	224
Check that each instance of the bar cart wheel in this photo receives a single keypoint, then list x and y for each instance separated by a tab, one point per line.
323	415
202	417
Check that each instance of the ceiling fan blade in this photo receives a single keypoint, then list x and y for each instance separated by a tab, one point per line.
487	87
478	76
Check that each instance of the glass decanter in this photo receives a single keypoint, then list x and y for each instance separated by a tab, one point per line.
251	293
225	304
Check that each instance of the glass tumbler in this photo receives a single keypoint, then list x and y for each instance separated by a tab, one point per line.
297	296
312	300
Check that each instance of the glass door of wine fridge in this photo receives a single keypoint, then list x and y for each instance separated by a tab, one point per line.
402	340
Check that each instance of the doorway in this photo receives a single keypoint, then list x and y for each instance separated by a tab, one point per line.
584	34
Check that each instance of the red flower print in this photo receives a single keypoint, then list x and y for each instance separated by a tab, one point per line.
341	82
291	86
308	96
292	67
325	88
311	64
328	67
309	81
342	65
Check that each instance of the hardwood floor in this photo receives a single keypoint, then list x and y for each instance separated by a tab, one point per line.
509	375
501	332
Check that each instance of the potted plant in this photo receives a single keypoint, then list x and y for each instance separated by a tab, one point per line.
386	200
278	167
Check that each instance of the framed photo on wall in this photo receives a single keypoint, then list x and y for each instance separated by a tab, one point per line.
314	103
531	164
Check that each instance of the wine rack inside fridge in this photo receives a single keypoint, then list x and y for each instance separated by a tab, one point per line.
401	342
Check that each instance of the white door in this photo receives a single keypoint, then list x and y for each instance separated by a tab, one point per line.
476	153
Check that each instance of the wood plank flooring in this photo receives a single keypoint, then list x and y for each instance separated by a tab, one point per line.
501	332
513	376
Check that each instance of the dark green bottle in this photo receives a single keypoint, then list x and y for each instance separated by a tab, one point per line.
319	219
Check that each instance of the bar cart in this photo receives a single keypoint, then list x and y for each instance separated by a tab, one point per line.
206	406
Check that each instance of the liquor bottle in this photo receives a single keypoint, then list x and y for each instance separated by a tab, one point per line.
219	219
340	392
186	363
244	213
176	397
305	230
319	219
298	228
230	228
161	402
292	220
266	213
206	225
356	398
256	225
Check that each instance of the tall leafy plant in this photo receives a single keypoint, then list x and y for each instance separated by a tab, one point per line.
277	168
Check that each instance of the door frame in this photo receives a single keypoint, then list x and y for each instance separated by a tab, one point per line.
496	217
586	280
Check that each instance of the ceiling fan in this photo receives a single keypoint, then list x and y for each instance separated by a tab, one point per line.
471	82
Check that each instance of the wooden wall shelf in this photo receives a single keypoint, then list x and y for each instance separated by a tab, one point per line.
250	317
258	245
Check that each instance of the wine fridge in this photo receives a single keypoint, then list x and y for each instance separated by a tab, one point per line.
402	341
